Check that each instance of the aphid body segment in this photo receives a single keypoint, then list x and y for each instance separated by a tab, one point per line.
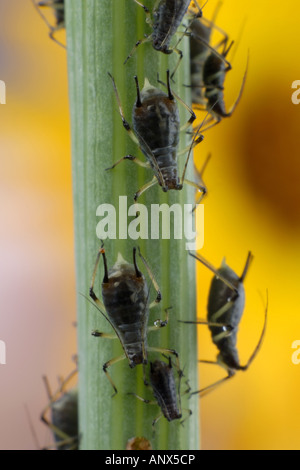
164	389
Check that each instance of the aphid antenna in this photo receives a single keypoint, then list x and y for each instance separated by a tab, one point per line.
249	260
230	112
214	270
94	305
256	350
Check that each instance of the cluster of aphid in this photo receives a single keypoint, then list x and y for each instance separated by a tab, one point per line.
125	292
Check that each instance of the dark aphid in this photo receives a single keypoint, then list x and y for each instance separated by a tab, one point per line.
200	36
58	7
167	16
225	306
63	407
126	302
167	395
208	70
164	389
156	128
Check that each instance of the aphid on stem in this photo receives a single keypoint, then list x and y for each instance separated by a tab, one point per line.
156	128
209	68
64	414
126	307
225	306
167	16
58	7
167	396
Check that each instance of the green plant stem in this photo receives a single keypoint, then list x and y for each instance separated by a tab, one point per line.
100	34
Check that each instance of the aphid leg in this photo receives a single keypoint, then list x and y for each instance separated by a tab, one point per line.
138	43
53	29
210	388
108	364
145	187
132	159
199	186
100	334
227	329
159	323
167	351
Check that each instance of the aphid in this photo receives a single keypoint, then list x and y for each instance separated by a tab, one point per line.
167	16
156	127
126	302
164	389
200	35
208	70
64	415
226	305
58	7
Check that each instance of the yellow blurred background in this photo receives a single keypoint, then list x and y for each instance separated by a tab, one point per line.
253	204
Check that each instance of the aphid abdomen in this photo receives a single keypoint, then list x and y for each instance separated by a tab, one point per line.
164	389
220	295
125	297
167	162
167	18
